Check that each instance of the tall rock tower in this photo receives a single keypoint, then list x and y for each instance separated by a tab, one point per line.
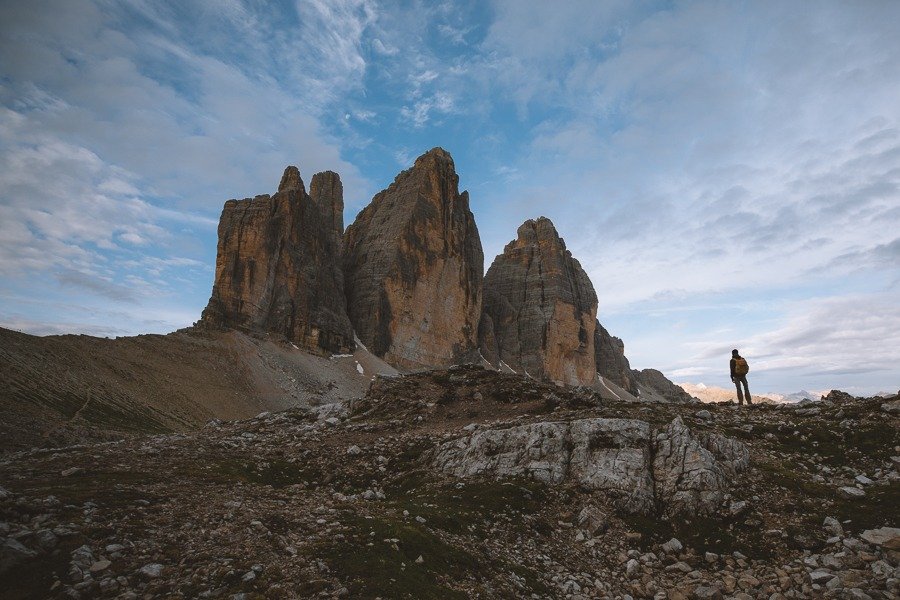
278	265
413	268
540	308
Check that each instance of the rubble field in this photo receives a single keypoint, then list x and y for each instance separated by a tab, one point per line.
468	483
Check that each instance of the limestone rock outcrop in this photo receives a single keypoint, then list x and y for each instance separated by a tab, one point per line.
278	265
541	308
672	471
691	472
611	455
609	353
413	267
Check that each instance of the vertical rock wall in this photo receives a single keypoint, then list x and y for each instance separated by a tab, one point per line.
413	266
541	308
278	265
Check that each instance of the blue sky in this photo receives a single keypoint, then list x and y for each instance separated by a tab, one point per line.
726	172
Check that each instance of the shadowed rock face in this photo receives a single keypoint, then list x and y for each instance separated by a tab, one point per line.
612	364
278	265
413	267
541	308
660	384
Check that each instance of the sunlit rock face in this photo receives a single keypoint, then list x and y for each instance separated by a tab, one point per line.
278	265
413	266
540	308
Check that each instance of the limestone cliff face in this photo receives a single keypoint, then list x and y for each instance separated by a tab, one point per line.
541	308
413	268
609	352
278	265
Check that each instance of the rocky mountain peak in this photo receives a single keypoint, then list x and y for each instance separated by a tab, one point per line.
540	230
291	180
540	308
327	193
278	265
413	264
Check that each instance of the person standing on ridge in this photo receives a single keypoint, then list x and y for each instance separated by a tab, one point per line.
739	370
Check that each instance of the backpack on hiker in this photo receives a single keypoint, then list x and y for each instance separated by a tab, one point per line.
741	367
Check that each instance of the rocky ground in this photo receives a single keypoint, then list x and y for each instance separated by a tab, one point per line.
363	501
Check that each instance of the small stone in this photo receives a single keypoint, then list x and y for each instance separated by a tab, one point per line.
100	565
820	576
864	480
420	560
46	540
592	520
833	526
737	507
886	537
71	471
151	571
420	519
703	414
114	547
710	557
249	576
672	546
707	592
850	493
354	450
632	567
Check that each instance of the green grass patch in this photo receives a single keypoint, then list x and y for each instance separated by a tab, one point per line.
704	534
111	488
776	474
380	570
462	508
835	445
879	508
274	472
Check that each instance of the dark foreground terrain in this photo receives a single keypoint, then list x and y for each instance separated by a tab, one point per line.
373	502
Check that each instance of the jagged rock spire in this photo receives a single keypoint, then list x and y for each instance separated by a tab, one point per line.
413	265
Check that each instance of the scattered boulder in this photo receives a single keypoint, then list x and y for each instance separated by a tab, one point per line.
593	520
885	537
850	493
413	265
673	546
151	571
833	526
14	553
837	396
541	308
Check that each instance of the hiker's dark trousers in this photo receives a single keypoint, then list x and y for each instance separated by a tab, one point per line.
738	380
